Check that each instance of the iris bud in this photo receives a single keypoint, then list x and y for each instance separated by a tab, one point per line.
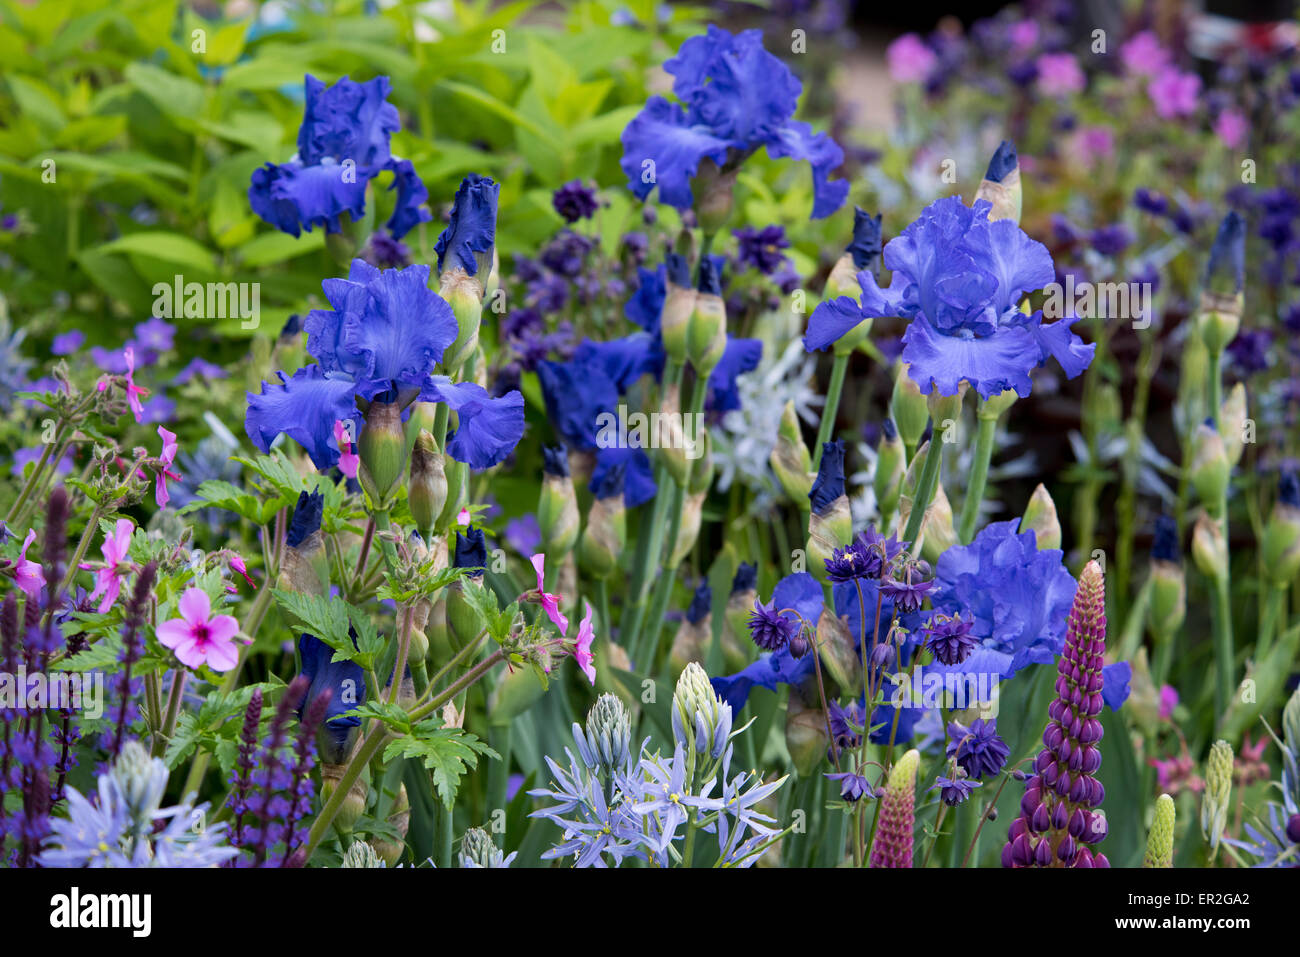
806	737
1281	542
671	439
908	408
457	491
1233	423
427	492
517	691
695	632
1001	184
891	465
1041	519
706	333
830	524
714	189
1210	467
740	604
389	849
679	304
605	534
1168	605
790	459
1191	406
557	506
382	447
464	293
354	805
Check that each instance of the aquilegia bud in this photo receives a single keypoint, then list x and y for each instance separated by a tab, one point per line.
427	492
1041	519
1218	789
790	459
557	506
706	334
1059	821
1280	547
893	844
1160	840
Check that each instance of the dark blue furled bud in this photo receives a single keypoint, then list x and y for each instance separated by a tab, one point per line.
829	484
1225	272
345	683
746	578
1001	184
467	242
306	518
1288	490
710	276
865	248
679	270
701	603
555	460
471	550
1003	162
1164	545
610	482
889	429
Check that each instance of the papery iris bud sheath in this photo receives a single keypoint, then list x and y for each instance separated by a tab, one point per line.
605	533
806	737
557	505
305	568
790	460
908	408
830	523
679	303
1209	550
893	844
426	495
1001	184
1160	840
1041	519
1281	543
706	334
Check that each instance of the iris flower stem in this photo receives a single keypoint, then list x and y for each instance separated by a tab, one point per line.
925	487
829	411
970	507
1223	645
1273	605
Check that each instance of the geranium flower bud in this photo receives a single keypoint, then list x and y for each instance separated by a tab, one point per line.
1160	840
1041	519
893	844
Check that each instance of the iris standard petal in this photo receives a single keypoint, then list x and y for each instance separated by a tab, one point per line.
663	147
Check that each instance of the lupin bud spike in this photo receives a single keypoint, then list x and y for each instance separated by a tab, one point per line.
1041	519
1160	841
1058	823
1218	789
893	844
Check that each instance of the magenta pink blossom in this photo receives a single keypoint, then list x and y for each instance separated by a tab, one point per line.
1168	701
463	517
1174	93
160	494
1230	127
108	577
349	461
1023	34
582	650
550	603
29	576
1059	74
1143	55
133	391
1096	143
199	637
910	59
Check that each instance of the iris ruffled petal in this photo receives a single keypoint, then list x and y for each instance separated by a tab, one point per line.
796	140
638	478
488	429
348	120
739	357
646	305
991	364
1057	340
575	395
663	147
623	360
830	321
411	197
293	197
472	230
305	408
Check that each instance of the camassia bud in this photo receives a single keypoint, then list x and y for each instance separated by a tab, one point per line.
679	304
1209	550
830	523
464	293
1160	840
1233	423
427	492
706	334
908	408
696	704
605	534
557	506
1281	543
1001	184
382	446
1210	467
1041	519
790	460
891	465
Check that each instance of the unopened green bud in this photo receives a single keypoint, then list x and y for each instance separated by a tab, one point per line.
390	848
908	408
604	536
1210	467
891	466
1209	550
937	531
1219	319
557	505
1167	607
354	805
464	623
701	476
806	737
419	649
837	646
477	849
361	854
706	334
382	447
1001	184
689	531
1041	519
679	304
427	492
1234	423
1218	788
517	691
828	530
671	440
608	735
1191	405
843	281
714	189
790	459
1160	840
464	293
1280	547
945	408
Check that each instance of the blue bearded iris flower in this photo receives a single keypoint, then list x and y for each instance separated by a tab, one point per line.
959	278
734	98
467	242
739	357
342	146
1020	598
380	341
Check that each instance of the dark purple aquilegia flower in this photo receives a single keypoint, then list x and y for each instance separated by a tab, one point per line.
978	749
342	146
378	346
959	277
1058	822
734	98
575	200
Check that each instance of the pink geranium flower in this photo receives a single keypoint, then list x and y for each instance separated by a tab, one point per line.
550	603
29	576
108	577
160	493
349	461
582	650
1168	701
910	60
199	637
1096	143
1023	34
463	517
133	391
1230	127
1173	93
1143	55
1059	74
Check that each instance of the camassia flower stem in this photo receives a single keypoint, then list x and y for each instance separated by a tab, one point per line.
925	487
831	408
970	507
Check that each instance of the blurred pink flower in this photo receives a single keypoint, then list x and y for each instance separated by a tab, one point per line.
1174	93
1096	143
550	603
349	461
1230	127
910	59
199	637
108	577
582	650
1023	34
29	576
160	494
1059	74
1168	701
1143	55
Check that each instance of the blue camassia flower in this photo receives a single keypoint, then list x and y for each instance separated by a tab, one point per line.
959	278
735	97
380	342
342	146
1020	598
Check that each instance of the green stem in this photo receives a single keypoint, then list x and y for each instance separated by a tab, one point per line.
970	507
925	488
831	409
1273	605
